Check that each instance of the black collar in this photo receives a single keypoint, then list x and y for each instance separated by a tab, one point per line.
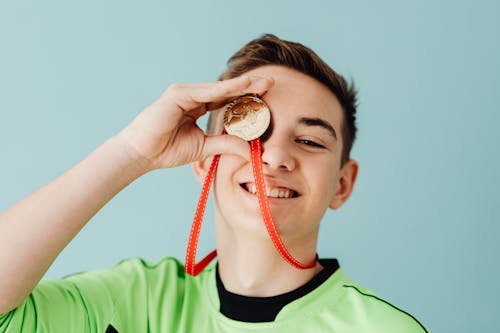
264	309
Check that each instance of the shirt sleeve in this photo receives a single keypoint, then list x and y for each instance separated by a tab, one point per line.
83	302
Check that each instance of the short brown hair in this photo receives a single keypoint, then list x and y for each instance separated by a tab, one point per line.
271	50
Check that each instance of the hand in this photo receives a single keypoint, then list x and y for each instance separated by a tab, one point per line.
166	135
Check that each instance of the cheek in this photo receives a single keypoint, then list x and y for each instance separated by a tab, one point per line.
225	174
326	182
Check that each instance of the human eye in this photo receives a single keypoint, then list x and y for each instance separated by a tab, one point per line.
310	143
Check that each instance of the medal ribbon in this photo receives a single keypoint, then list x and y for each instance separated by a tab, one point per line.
193	268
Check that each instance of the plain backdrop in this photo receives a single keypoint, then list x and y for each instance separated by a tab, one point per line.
422	226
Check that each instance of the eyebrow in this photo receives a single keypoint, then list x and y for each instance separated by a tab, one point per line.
318	122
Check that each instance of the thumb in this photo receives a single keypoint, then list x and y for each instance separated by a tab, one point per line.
226	144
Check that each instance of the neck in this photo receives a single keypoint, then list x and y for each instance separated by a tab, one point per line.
250	265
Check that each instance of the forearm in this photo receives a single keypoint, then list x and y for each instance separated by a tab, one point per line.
36	229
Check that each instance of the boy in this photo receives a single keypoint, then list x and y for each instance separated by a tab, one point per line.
306	169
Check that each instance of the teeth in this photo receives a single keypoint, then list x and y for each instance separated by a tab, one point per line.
271	192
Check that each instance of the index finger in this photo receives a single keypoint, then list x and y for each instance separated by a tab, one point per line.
218	93
257	85
191	96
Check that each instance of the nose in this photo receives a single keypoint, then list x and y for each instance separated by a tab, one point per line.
277	155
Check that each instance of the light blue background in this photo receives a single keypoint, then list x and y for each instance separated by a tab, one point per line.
422	227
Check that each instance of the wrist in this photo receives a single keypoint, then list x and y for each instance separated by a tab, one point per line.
131	157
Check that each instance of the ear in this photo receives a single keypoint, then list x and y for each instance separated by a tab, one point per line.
347	178
200	169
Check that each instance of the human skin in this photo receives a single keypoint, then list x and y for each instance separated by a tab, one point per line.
37	228
298	155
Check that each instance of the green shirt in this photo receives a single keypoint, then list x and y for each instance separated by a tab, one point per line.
138	296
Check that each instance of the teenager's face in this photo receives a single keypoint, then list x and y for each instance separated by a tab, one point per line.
301	161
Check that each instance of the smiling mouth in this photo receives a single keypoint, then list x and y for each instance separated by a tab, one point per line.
271	192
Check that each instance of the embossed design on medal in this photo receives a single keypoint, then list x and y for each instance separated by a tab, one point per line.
247	117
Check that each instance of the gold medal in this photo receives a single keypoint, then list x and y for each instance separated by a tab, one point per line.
247	117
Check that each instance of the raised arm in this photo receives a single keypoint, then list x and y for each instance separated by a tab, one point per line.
36	229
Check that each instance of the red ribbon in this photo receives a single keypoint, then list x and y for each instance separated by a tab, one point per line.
193	268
